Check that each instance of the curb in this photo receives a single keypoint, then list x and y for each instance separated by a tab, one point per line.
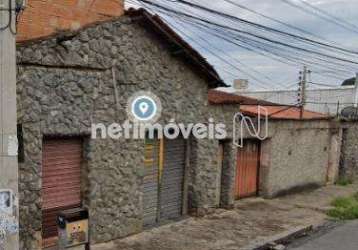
282	238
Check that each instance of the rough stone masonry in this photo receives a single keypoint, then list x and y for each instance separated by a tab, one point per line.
65	83
349	157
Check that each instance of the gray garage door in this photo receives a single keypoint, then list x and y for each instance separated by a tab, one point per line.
171	190
163	180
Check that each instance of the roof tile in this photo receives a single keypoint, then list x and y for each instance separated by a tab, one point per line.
249	106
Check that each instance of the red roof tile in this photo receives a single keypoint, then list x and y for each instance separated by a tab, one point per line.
249	106
220	97
283	112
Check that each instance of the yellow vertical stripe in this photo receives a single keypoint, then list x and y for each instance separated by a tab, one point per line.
161	158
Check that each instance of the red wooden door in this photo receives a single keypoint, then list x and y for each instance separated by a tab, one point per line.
247	169
61	180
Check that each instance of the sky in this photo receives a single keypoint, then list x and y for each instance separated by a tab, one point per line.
233	62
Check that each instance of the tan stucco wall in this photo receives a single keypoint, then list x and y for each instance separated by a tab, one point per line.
297	155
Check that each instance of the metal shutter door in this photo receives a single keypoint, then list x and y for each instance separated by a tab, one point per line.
150	183
247	169
61	180
172	179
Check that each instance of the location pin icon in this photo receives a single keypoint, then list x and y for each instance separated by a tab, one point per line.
143	107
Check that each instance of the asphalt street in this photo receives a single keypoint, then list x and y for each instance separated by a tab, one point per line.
343	237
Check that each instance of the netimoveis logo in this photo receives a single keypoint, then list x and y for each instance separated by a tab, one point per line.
144	110
144	107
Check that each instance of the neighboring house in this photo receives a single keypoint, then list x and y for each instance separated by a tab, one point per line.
43	18
328	101
68	81
298	153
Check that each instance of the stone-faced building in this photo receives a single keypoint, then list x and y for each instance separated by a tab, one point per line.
298	151
72	80
69	81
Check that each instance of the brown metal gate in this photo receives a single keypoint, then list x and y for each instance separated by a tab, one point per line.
247	172
61	180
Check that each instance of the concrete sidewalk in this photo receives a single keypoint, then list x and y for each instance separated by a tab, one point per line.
252	223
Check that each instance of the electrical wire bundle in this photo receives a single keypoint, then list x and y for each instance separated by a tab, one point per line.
211	31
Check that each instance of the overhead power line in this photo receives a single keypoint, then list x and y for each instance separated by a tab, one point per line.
261	83
219	56
262	26
317	12
330	15
251	48
254	45
222	51
265	45
324	84
225	30
269	40
293	27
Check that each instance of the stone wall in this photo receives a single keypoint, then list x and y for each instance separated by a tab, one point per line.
66	84
349	159
227	196
295	156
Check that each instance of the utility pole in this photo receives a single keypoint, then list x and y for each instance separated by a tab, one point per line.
355	101
9	216
302	90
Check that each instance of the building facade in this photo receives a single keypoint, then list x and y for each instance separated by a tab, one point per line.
286	159
70	81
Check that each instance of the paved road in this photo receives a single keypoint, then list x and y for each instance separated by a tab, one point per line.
344	237
252	221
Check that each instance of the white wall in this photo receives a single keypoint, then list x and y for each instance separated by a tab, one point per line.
319	100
